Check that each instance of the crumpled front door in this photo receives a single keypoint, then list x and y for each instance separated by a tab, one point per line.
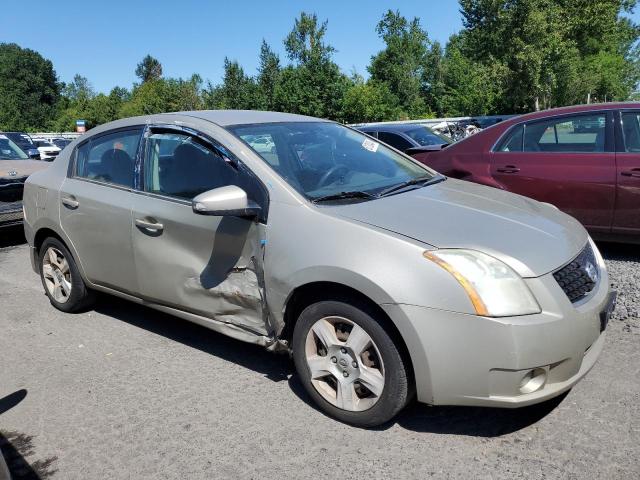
207	265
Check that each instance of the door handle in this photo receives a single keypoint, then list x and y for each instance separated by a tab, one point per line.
70	202
154	226
508	169
634	172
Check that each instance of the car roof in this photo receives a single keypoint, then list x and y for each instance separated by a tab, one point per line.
18	137
573	109
391	127
222	118
225	118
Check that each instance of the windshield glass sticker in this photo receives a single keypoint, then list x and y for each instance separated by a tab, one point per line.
370	145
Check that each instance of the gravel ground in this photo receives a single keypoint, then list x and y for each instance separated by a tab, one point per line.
127	392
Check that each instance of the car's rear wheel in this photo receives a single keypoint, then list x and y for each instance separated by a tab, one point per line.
349	364
61	279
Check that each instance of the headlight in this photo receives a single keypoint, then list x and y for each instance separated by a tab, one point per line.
494	289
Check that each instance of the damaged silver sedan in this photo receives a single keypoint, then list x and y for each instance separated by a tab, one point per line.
385	280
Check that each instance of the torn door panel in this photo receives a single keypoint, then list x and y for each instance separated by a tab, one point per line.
234	295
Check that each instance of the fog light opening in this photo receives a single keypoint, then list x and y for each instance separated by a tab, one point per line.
533	380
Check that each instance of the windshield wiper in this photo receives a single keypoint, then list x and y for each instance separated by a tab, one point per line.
343	195
422	181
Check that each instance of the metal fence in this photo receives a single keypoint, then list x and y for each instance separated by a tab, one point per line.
51	135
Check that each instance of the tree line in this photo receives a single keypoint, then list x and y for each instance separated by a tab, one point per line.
511	56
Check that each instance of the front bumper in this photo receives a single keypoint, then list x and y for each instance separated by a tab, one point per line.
462	359
11	213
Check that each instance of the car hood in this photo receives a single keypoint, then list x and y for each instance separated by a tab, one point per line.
533	238
425	149
22	168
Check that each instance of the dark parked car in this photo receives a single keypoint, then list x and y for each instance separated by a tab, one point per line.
488	121
15	167
61	142
584	159
410	138
24	141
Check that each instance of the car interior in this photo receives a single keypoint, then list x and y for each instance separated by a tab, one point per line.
314	161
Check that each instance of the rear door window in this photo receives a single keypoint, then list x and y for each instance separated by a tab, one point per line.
631	131
109	158
571	134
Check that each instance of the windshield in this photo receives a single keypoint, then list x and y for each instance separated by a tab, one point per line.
10	151
321	159
21	139
426	137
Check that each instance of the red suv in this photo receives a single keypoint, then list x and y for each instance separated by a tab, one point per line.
583	159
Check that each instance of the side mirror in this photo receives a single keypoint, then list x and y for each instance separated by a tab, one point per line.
229	201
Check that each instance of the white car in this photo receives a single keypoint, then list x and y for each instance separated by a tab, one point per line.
48	151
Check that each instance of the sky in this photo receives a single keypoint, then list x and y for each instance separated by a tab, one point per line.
104	41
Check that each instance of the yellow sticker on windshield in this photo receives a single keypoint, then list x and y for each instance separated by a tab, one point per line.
370	145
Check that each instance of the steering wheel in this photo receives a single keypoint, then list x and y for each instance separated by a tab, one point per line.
329	174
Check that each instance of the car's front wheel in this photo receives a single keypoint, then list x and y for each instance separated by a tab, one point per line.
349	364
61	279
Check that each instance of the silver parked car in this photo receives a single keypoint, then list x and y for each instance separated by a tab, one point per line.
383	278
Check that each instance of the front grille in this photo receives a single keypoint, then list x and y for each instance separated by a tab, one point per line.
10	212
10	217
580	276
10	191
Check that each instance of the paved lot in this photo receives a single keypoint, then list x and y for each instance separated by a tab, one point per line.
126	392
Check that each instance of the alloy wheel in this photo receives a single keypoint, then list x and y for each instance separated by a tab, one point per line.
56	274
345	364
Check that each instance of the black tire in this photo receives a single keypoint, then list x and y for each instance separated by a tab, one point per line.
396	392
80	297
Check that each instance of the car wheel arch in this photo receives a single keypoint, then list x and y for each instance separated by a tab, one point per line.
46	232
310	293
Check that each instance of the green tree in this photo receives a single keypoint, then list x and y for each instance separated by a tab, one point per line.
469	87
607	43
313	83
79	90
184	95
401	65
433	81
305	43
149	69
370	102
268	76
164	95
237	91
81	103
29	89
557	52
